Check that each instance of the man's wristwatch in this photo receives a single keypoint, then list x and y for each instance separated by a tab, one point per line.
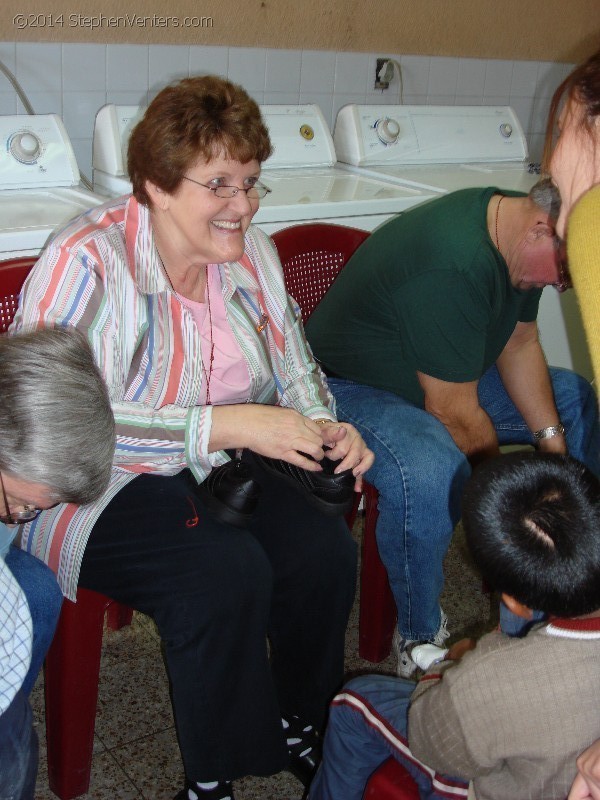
549	432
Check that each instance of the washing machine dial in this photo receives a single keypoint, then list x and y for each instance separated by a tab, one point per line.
25	147
506	130
387	130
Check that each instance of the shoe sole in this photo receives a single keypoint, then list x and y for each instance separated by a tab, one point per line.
329	509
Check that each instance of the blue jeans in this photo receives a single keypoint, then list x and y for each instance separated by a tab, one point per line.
420	474
367	724
18	751
44	599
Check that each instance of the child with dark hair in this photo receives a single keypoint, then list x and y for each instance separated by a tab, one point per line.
511	715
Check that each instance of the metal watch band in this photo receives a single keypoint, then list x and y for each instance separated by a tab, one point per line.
549	432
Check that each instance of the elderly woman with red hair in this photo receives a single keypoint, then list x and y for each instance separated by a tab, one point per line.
184	304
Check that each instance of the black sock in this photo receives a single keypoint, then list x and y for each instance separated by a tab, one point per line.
210	790
301	737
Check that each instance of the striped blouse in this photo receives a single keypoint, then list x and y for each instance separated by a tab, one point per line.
102	274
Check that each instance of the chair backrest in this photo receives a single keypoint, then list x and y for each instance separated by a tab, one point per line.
312	256
12	278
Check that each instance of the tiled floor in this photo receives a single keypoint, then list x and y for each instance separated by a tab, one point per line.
135	750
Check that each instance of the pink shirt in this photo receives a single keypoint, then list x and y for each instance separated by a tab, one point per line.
229	377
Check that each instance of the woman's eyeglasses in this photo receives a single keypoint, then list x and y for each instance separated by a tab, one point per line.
256	192
27	513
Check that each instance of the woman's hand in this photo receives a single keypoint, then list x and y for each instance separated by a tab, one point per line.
587	783
286	434
269	430
345	442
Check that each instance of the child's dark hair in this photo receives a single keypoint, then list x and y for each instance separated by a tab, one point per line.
532	522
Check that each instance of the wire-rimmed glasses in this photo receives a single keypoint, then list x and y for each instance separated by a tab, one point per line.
256	192
564	276
27	513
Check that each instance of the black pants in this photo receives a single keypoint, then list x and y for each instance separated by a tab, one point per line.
216	593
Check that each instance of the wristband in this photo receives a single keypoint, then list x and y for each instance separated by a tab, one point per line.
549	432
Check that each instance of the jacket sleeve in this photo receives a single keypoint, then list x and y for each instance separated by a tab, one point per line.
435	724
583	245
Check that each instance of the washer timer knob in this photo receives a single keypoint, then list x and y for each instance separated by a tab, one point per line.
25	147
506	130
387	130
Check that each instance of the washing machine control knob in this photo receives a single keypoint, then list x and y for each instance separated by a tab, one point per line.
388	130
506	130
25	147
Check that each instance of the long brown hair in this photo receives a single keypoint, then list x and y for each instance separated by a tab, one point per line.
582	86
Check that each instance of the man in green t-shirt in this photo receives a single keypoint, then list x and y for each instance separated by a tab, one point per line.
430	340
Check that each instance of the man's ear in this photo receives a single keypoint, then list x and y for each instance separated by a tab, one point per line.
541	229
516	607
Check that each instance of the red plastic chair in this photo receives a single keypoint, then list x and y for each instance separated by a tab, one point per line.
391	782
12	277
312	256
72	673
72	665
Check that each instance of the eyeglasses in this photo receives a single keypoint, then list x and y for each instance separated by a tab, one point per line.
256	192
28	512
564	282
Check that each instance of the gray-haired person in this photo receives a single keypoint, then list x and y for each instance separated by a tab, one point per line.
56	445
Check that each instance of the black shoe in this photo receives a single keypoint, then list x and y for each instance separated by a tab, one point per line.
332	494
305	749
230	493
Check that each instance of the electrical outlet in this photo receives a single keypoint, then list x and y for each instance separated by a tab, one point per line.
384	72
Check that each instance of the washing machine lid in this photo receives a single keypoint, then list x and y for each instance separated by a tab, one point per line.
445	178
388	135
316	193
29	217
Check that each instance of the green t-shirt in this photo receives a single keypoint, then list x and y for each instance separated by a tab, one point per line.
427	291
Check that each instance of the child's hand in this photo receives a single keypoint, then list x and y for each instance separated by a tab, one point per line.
458	649
587	782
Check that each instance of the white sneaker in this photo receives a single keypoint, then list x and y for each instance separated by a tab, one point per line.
402	648
424	655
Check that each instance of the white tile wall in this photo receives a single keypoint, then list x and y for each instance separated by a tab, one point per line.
74	80
471	78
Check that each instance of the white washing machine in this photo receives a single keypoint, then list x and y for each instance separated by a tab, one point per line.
39	183
306	184
445	148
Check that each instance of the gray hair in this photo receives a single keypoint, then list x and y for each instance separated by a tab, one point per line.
547	197
56	423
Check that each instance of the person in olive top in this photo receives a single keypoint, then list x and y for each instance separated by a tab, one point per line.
573	159
430	340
